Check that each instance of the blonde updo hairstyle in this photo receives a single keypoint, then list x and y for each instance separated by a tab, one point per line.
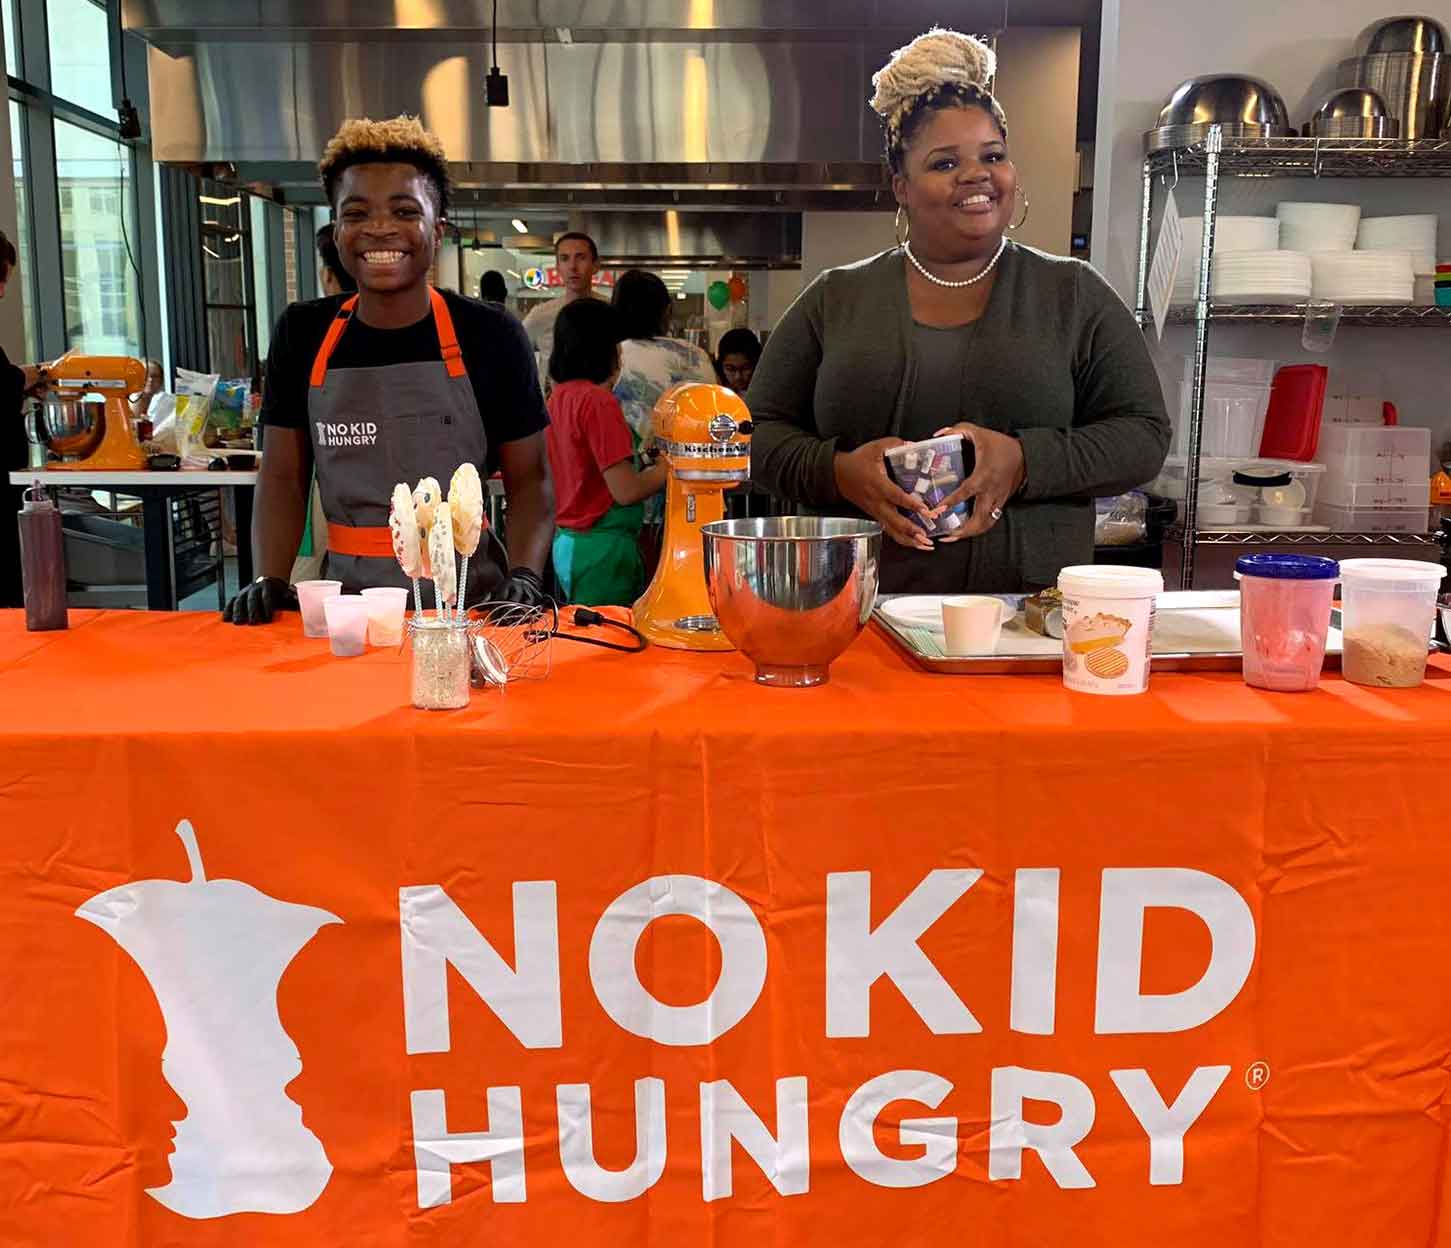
937	70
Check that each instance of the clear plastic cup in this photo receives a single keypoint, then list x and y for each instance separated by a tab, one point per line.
310	597
386	606
347	624
1388	609
932	470
1284	619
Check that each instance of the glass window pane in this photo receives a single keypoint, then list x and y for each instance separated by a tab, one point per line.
98	240
80	54
261	245
227	335
12	39
24	279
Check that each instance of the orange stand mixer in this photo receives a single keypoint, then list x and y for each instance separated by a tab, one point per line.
88	434
703	434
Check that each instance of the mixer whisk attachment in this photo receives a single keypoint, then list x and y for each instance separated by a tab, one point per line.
509	641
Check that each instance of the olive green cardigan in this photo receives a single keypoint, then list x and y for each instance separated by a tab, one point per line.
1056	360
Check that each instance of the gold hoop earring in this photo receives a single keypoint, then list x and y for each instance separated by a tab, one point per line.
1023	219
902	234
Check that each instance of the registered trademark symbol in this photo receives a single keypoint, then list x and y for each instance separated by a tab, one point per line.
1257	1076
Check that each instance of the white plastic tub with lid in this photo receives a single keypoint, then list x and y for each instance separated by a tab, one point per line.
1108	627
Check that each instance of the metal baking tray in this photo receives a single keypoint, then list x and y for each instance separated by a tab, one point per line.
1194	631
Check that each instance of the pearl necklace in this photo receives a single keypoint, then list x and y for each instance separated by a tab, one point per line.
942	281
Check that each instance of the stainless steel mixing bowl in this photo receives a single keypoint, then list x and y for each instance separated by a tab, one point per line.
1244	108
1404	34
1353	113
72	427
792	592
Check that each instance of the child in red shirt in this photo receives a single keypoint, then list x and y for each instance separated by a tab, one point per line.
598	490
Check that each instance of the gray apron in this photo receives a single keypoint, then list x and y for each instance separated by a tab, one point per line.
372	428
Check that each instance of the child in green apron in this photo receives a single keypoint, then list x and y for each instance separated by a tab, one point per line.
599	491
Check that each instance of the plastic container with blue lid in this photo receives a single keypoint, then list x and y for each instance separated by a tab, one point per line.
1284	618
1287	567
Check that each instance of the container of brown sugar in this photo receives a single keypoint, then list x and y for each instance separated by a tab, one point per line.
1388	609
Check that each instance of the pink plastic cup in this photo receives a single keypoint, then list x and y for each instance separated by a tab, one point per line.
310	597
347	624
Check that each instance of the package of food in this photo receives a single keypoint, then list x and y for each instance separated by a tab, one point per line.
932	470
1120	521
1043	613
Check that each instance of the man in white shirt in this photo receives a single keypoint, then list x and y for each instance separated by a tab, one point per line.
577	259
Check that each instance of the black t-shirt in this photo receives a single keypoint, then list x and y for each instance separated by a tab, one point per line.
13	456
496	353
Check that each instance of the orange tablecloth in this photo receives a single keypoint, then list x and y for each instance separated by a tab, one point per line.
309	780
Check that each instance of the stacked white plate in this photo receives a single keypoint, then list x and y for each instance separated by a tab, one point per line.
1231	234
1261	277
1318	227
1363	277
1415	234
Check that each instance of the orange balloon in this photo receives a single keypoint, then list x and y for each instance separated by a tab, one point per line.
737	287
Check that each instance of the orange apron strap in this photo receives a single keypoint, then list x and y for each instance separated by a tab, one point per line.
330	342
364	543
453	357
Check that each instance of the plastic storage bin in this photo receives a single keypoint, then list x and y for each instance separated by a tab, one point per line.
1249	491
1386	453
1374	519
1358	495
1236	399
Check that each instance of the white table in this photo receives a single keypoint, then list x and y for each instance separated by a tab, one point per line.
156	490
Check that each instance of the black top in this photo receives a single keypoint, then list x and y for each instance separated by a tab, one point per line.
496	352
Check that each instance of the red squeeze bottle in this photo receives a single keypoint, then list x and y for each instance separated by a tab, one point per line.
42	562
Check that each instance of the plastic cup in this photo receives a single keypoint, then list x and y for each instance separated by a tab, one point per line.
347	624
310	597
972	623
1388	608
1108	627
932	470
1284	619
386	606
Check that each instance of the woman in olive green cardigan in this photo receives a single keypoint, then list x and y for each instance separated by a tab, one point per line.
1031	357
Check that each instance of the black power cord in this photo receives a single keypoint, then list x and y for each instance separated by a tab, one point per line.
585	618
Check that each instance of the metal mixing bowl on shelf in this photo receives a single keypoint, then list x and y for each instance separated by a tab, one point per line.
1243	108
73	427
1353	113
792	592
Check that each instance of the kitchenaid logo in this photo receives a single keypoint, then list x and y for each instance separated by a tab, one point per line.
349	433
437	934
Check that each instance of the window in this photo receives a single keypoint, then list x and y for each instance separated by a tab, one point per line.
12	40
80	54
102	312
22	282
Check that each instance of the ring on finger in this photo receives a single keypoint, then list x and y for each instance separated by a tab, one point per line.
996	513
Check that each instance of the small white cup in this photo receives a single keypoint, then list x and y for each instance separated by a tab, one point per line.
973	623
386	606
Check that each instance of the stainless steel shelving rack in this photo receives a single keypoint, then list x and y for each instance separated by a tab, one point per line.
1217	157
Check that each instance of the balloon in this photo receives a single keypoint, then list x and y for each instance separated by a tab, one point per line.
737	288
719	295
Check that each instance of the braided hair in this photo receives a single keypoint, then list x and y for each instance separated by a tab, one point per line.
937	70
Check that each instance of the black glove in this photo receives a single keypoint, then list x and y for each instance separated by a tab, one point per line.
257	602
522	585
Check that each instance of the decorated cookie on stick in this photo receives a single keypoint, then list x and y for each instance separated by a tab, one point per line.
466	510
407	548
440	554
